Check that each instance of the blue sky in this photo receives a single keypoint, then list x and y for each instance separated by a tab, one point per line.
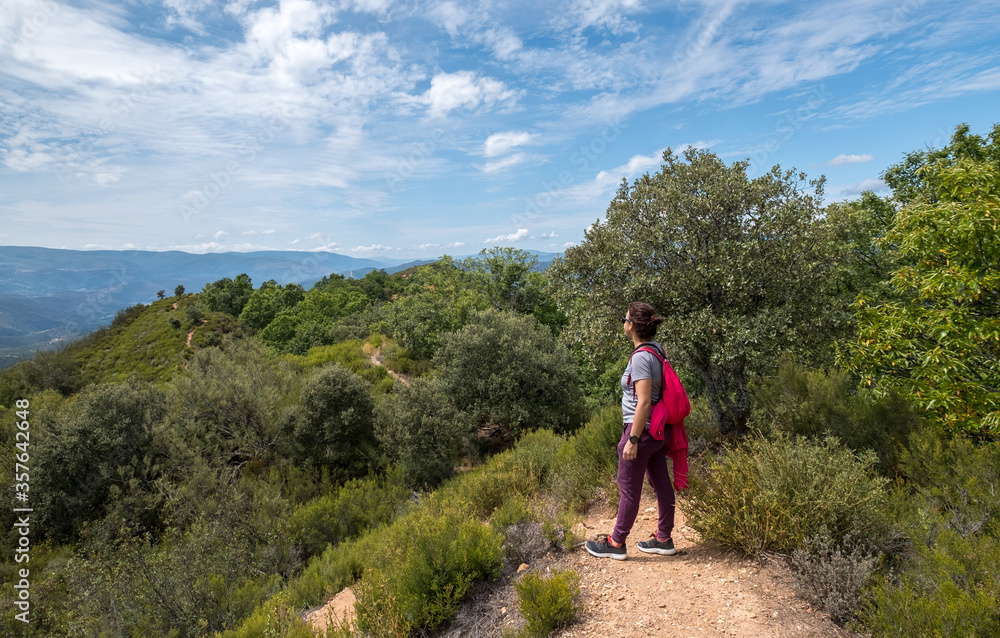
376	128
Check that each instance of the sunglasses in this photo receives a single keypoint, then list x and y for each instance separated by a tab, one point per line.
626	319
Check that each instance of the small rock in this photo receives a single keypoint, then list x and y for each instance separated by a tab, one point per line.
663	605
774	615
522	568
753	615
621	596
503	610
650	509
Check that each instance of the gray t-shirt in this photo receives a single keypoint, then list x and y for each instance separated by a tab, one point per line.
643	366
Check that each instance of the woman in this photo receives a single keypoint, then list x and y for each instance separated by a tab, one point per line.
639	454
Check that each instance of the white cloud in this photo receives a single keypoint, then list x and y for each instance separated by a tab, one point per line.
450	91
372	248
506	162
867	185
850	159
500	143
219	235
450	16
522	234
328	248
269	231
551	235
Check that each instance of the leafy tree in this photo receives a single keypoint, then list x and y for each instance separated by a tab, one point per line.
102	448
738	266
509	373
510	280
441	298
161	294
334	428
178	291
939	341
268	300
228	295
422	431
379	286
308	323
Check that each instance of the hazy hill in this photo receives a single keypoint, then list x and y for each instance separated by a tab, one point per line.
48	296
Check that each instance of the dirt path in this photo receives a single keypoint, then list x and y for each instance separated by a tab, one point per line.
700	591
377	360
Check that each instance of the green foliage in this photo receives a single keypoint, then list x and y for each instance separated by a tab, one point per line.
589	460
426	572
818	403
233	408
509	279
178	291
938	341
951	589
353	509
739	267
548	604
268	300
334	428
421	431
47	370
956	478
771	495
311	321
510	375
187	584
228	295
440	298
100	450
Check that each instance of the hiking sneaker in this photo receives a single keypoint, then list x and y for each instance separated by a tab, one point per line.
653	546
604	549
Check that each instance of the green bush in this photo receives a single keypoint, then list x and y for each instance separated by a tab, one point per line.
818	403
353	509
334	428
100	449
421	431
770	495
957	478
426	572
548	604
511	375
951	589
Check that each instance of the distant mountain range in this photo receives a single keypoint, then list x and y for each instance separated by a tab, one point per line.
49	296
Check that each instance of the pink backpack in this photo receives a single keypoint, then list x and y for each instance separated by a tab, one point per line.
673	406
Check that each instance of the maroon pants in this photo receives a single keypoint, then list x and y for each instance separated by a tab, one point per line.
650	461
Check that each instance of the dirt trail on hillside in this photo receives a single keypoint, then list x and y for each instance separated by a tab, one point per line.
700	591
378	360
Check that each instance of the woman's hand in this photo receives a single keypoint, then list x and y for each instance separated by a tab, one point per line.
631	451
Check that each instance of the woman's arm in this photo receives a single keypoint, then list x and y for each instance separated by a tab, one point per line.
644	397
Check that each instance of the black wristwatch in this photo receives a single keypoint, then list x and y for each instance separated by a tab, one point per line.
633	439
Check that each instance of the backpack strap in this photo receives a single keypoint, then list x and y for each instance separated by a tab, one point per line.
651	348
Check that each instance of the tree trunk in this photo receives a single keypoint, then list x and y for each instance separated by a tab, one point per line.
728	396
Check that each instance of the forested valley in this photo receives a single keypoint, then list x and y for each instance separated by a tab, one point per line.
213	463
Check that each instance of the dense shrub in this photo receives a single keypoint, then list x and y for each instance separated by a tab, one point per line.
951	589
334	428
233	408
509	373
421	431
100	450
424	573
819	403
351	510
771	495
957	478
548	604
